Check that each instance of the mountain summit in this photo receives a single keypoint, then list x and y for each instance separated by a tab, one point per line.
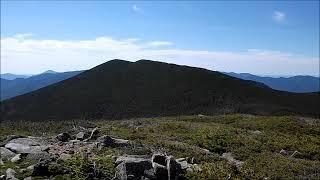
118	89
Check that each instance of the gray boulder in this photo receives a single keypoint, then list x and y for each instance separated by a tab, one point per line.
37	156
134	167
63	137
16	158
183	163
9	138
94	134
23	148
107	141
10	173
232	160
2	177
41	168
26	141
6	154
82	135
64	156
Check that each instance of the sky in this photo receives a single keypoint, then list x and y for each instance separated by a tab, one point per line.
258	37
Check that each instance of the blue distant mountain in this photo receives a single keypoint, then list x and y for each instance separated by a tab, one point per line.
9	76
19	86
298	84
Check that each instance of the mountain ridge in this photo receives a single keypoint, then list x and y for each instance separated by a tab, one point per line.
119	89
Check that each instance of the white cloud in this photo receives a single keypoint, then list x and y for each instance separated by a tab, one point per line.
21	36
160	43
29	55
279	16
136	9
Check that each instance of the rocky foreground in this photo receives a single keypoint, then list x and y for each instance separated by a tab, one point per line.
47	152
191	147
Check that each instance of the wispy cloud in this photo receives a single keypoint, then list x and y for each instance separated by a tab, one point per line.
29	55
279	16
136	9
24	35
159	43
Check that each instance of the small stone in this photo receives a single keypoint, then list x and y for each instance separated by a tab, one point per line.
16	158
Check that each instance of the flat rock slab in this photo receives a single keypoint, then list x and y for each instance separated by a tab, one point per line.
21	148
26	141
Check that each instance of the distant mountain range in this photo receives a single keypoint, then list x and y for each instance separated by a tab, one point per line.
298	84
120	89
19	86
9	76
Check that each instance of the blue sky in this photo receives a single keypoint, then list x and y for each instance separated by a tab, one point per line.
256	37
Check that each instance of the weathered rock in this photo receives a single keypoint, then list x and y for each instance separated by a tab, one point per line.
3	177
64	156
63	137
6	154
55	168
107	141
184	165
166	167
16	158
38	155
41	168
160	171
134	167
30	168
94	134
23	148
194	168
28	178
80	136
9	138
26	141
232	160
10	174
